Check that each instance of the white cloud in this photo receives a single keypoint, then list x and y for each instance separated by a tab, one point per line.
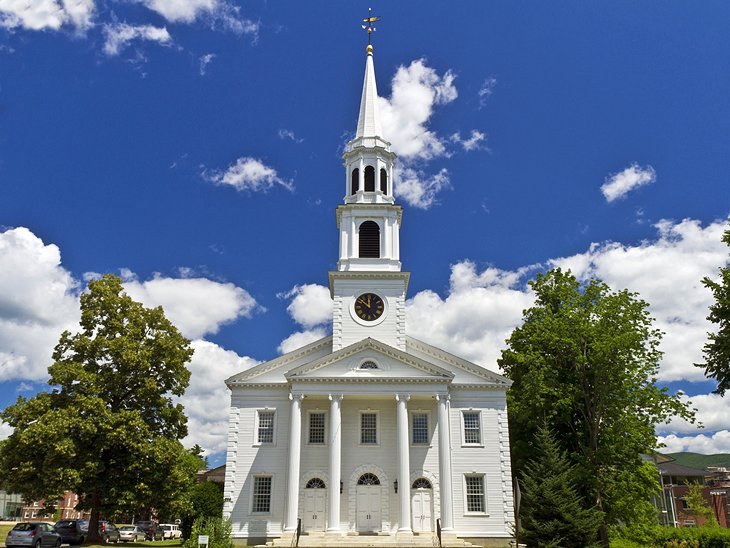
472	143
289	134
619	184
207	397
205	60
38	300
416	89
419	189
197	306
712	410
249	174
301	338
719	442
311	304
46	14
5	430
486	91
119	35
219	12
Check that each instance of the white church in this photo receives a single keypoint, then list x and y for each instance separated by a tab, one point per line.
369	437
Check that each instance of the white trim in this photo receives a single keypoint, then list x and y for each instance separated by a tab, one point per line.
360	413
310	412
482	476
255	475
256	442
463	428
411	413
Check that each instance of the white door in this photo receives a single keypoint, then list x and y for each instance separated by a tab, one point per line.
368	508
313	517
422	510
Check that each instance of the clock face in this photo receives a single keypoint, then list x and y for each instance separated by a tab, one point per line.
369	307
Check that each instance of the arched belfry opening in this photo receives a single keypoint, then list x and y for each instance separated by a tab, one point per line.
383	181
355	180
369	240
369	179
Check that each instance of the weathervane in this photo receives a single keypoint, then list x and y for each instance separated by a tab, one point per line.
370	19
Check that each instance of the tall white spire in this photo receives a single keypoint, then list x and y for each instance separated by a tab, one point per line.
368	123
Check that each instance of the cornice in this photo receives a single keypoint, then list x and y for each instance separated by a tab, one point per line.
367	275
490	387
372	380
340	208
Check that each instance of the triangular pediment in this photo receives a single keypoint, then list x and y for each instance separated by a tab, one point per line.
370	359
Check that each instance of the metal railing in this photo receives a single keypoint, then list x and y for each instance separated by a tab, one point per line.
297	534
438	530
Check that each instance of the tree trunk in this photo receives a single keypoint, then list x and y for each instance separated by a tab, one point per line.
94	537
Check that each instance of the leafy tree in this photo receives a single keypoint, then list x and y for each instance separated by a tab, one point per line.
109	427
552	513
717	350
585	362
206	501
698	506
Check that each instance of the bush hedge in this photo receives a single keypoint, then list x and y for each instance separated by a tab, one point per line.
670	537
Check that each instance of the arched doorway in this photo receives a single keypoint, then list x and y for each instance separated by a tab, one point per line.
315	501
422	506
368	503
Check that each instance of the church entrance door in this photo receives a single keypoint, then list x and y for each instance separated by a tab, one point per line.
422	506
313	517
368	504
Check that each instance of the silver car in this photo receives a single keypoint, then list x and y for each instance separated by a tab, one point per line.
36	534
131	533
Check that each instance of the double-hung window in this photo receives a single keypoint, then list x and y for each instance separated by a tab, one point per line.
317	428
475	502
368	428
265	429
472	428
261	501
419	428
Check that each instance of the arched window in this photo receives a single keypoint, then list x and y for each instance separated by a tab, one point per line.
369	179
368	479
369	240
421	483
355	180
369	365
383	181
315	483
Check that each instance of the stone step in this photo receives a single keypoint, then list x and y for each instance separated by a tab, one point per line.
368	541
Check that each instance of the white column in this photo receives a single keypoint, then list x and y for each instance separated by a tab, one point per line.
445	488
333	516
295	444
404	474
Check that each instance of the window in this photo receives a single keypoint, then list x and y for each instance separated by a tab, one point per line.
369	239
261	495
265	432
368	428
383	181
369	365
368	479
355	181
316	427
315	483
475	494
369	179
421	483
472	428
419	428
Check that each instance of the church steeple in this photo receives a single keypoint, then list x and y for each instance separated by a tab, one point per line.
368	287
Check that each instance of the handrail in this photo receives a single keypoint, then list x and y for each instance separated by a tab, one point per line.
438	530
299	532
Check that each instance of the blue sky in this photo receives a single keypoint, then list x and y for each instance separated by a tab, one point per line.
193	147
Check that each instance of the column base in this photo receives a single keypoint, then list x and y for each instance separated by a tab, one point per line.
333	533
404	534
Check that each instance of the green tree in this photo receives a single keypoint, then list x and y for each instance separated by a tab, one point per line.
584	362
109	427
698	506
552	513
206	501
717	350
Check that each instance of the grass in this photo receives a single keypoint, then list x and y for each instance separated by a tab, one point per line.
5	527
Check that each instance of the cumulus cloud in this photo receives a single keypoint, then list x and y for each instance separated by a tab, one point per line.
119	35
712	409
719	442
301	338
619	184
206	399
38	300
217	12
197	306
470	143
419	189
46	14
249	174
310	306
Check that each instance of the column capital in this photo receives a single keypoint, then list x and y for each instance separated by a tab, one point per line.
443	396
336	397
402	397
296	396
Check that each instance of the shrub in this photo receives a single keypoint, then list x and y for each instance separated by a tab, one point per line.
217	529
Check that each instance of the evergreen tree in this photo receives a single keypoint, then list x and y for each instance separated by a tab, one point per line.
552	513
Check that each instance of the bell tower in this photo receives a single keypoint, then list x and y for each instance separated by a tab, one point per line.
368	287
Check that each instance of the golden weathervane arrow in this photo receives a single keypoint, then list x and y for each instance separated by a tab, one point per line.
370	19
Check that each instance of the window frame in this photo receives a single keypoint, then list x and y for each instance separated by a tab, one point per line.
412	428
324	427
254	495
464	442
377	427
483	494
257	429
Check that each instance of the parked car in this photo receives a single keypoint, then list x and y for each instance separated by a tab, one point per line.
72	531
131	533
170	530
109	532
151	530
36	534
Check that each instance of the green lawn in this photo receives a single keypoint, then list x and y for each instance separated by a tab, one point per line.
5	527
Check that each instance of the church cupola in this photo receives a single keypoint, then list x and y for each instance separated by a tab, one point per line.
368	287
